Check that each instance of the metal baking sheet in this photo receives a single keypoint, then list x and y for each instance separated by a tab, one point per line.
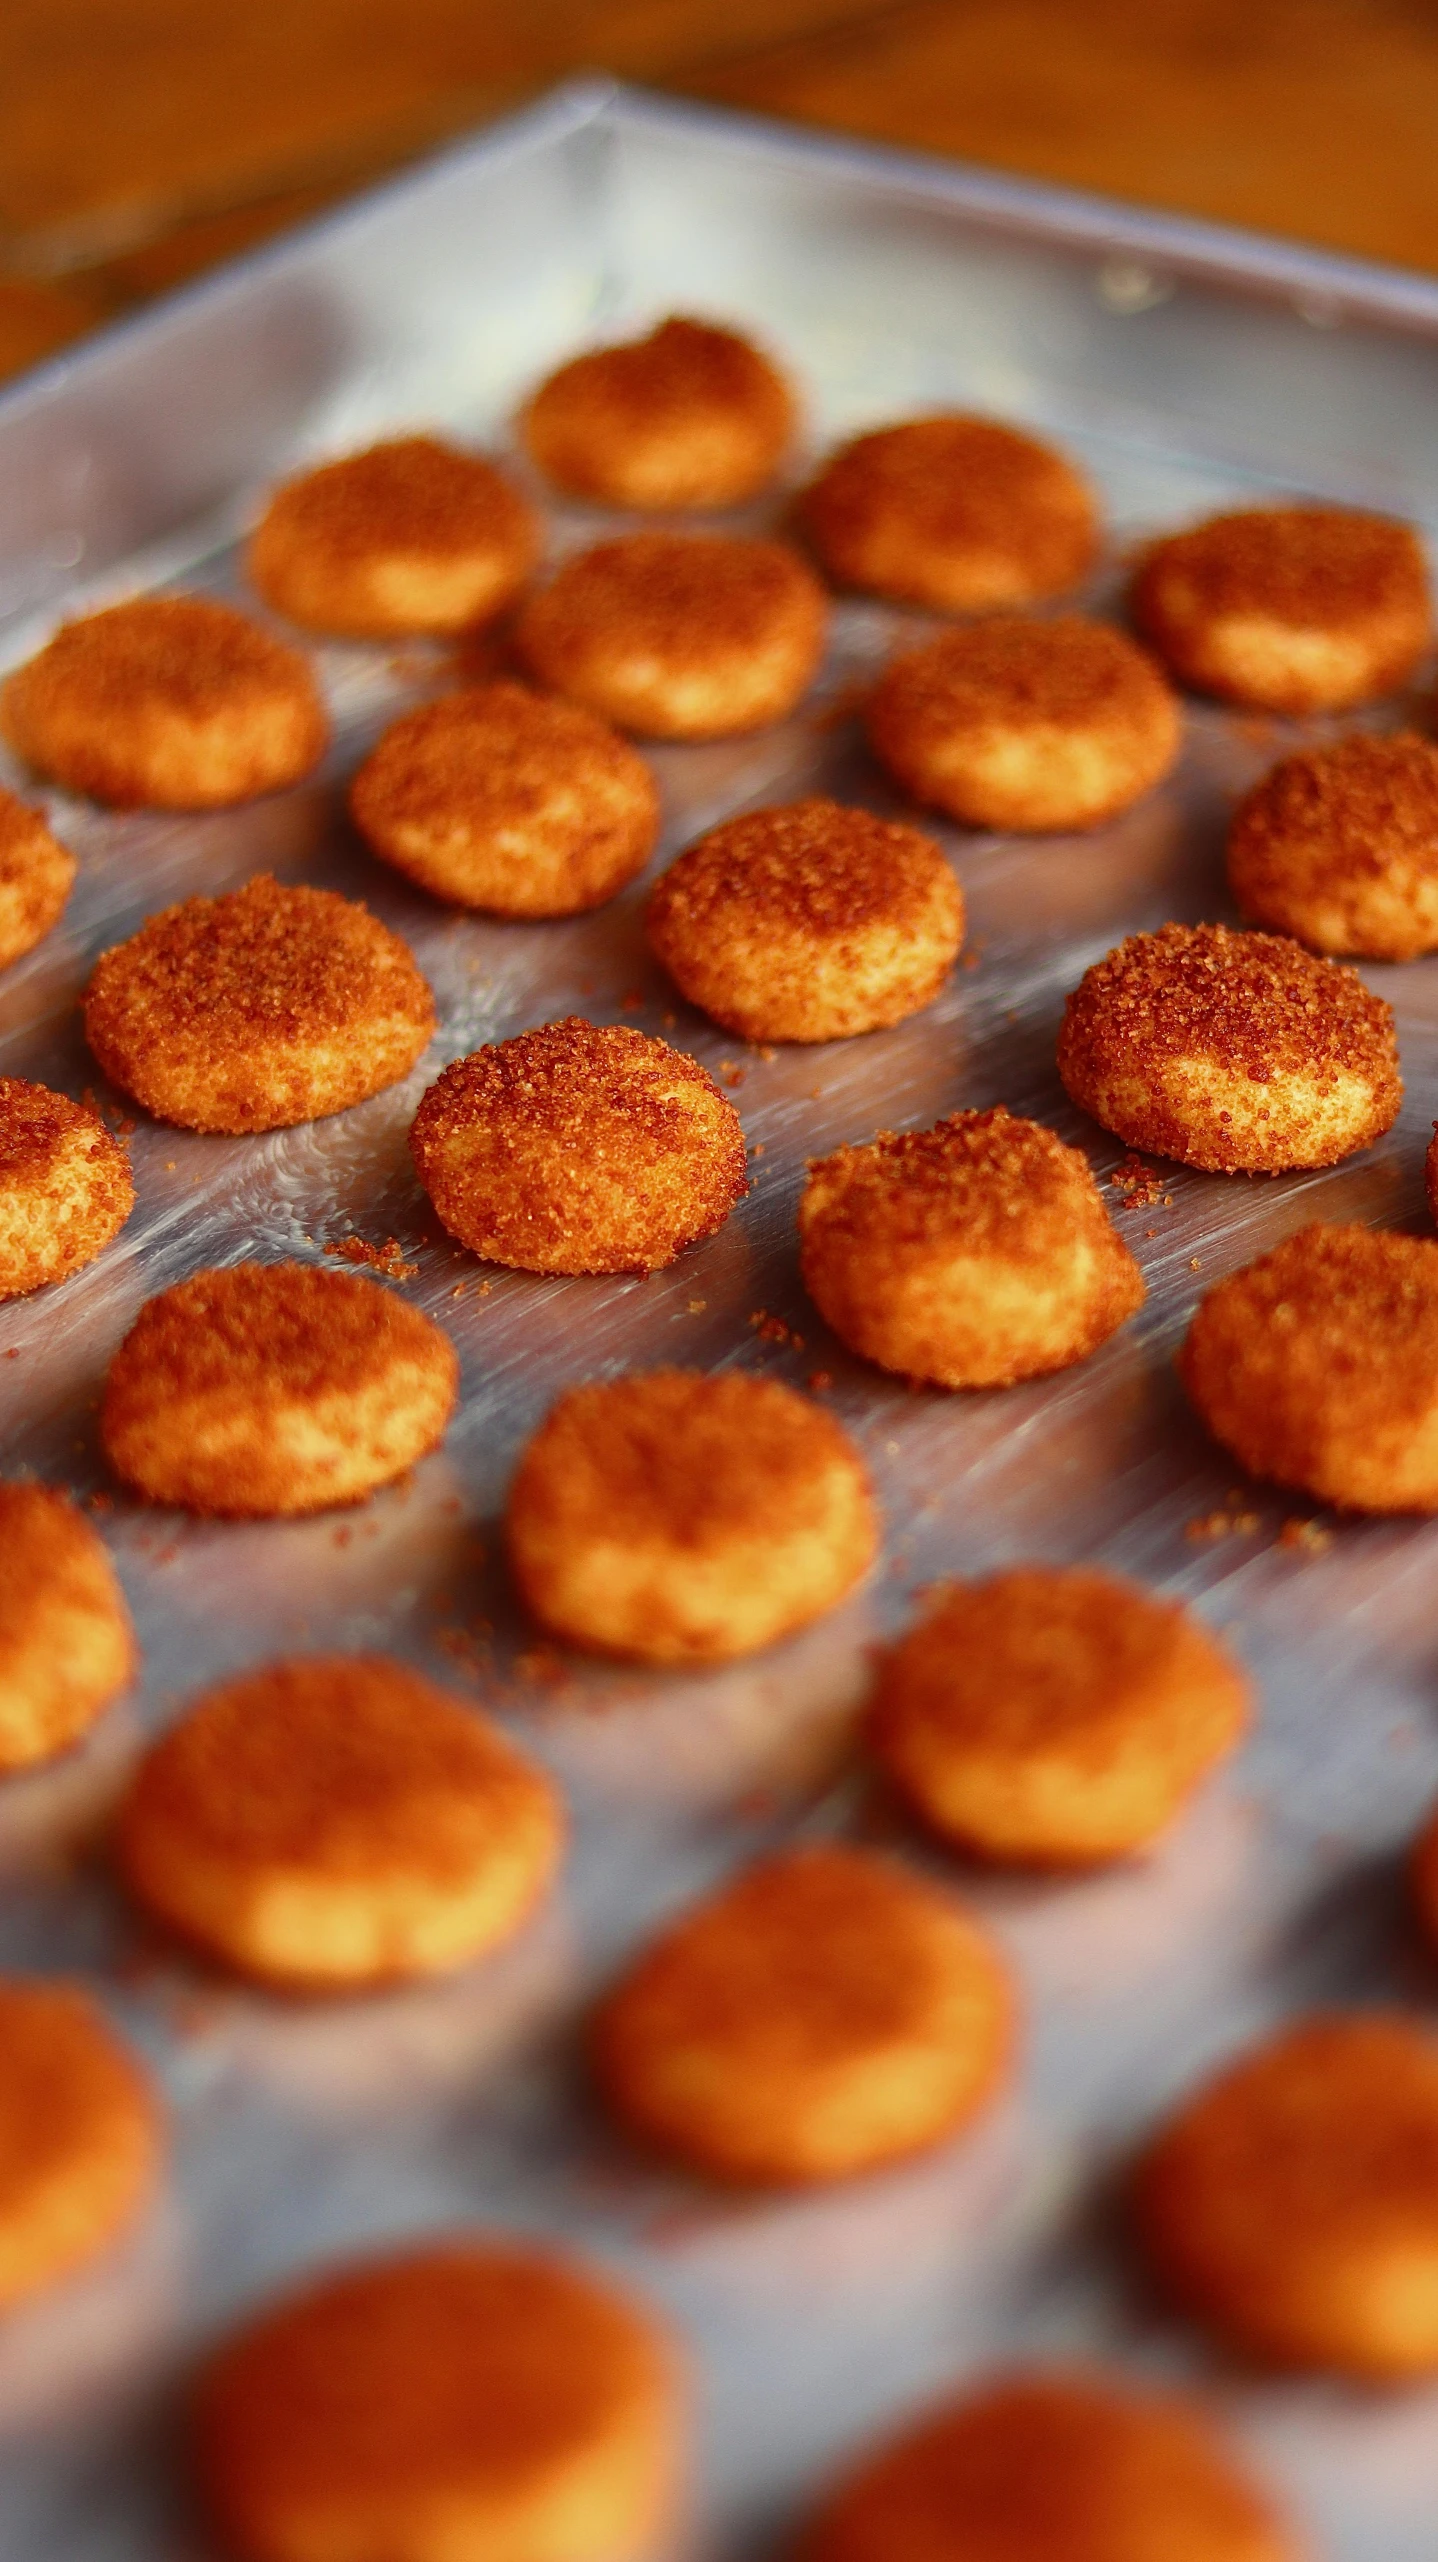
1186	367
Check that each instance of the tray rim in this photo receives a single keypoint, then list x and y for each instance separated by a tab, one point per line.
1339	287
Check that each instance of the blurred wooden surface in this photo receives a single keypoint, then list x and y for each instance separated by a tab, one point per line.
141	140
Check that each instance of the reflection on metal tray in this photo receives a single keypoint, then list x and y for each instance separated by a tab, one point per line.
1185	367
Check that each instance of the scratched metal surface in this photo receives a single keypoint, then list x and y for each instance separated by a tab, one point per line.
1185	368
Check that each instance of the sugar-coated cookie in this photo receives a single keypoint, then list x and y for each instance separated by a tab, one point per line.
971	1255
824	2014
169	702
682	1519
468	2401
272	1388
689	416
580	1147
809	922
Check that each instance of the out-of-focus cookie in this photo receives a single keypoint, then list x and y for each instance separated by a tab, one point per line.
690	416
1054	1715
67	1648
1317	1366
170	702
336	1821
679	635
960	513
409	536
1291	609
504	799
1236	1053
65	1186
1051	2467
37	874
1339	846
80	2136
808	923
680	1518
1292	2205
468	2399
580	1147
272	1005
272	1388
826	2013
1031	726
972	1255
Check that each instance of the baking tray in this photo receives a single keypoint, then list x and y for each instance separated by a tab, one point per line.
1186	367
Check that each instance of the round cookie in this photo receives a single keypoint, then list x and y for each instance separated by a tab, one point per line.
1054	1716
464	2399
508	800
336	1822
1292	2205
825	2013
691	416
1236	1053
409	536
679	635
170	702
1339	846
65	1186
272	1388
272	1005
66	1644
1024	725
1055	2466
37	874
1290	609
683	1519
580	1147
1317	1366
80	2136
971	1255
959	513
808	923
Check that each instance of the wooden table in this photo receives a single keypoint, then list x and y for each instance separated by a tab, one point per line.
141	140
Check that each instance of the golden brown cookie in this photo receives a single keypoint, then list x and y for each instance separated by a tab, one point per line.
1317	1366
1051	2467
691	416
683	1519
66	1644
1292	609
1237	1053
1054	1715
824	2014
37	874
972	1255
272	1005
581	1147
336	1821
468	2399
80	2136
409	536
169	702
273	1388
1292	2205
508	800
960	513
65	1186
679	635
1339	846
808	923
1026	725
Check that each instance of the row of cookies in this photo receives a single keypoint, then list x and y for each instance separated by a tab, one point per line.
262	2476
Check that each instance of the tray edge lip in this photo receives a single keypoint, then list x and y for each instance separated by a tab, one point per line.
1045	208
1340	287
